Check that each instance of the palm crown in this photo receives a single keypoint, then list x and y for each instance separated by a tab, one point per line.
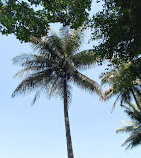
122	84
54	67
57	59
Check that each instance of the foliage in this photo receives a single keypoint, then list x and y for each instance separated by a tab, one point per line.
32	17
117	27
57	60
133	127
123	82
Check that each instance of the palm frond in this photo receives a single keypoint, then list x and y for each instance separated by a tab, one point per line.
27	71
33	82
108	93
134	115
127	128
72	40
84	59
50	45
54	86
132	106
134	127
129	123
115	103
107	78
87	84
134	140
37	95
29	60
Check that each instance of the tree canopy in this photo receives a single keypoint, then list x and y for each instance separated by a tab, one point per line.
118	27
32	17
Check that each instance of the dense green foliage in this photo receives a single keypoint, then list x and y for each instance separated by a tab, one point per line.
133	127
32	17
117	27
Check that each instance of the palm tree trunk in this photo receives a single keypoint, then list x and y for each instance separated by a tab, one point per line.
136	100
67	126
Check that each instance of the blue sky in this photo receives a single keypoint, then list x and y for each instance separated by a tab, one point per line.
39	132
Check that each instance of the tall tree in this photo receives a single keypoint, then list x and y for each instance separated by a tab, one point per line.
133	127
53	68
32	17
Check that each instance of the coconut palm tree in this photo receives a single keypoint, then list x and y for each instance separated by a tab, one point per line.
133	127
122	84
54	67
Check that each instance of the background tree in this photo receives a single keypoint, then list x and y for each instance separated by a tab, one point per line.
118	27
53	68
133	127
123	83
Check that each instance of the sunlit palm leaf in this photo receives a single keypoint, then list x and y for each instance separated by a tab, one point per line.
134	127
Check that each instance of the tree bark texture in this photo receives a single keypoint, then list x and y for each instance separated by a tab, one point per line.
67	125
